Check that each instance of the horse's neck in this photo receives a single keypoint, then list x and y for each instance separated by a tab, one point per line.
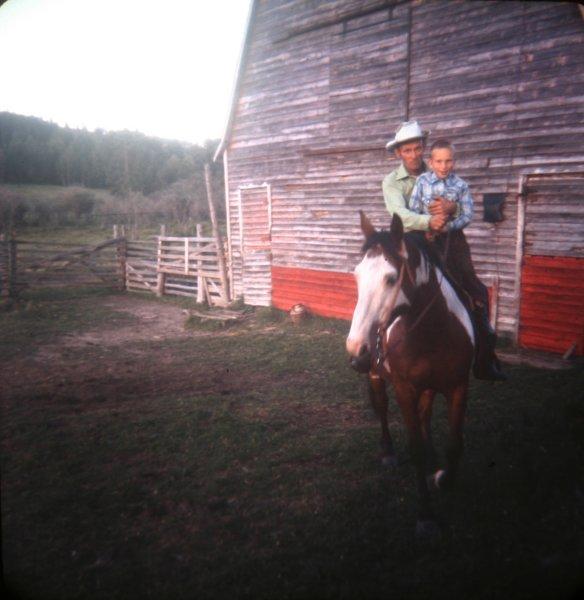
431	283
423	271
427	284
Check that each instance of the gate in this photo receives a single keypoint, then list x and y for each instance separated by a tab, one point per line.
29	264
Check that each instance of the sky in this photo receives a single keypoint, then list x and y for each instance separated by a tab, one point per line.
165	68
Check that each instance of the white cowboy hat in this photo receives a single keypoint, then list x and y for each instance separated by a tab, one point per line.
410	130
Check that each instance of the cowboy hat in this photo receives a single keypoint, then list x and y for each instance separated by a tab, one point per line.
408	131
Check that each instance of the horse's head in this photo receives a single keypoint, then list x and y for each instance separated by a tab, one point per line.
379	276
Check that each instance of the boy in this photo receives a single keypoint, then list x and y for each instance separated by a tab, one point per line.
452	252
442	182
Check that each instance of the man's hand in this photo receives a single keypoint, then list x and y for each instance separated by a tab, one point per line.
437	222
442	206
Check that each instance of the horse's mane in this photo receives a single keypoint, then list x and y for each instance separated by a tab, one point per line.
384	239
413	239
381	238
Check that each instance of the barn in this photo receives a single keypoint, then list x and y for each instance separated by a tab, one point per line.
323	85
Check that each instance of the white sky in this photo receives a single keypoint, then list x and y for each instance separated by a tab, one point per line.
162	67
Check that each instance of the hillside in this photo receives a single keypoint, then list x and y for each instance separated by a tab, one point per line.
53	176
35	151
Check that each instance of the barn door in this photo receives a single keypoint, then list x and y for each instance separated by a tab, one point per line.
551	313
255	216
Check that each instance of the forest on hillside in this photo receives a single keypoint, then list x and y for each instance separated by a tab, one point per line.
35	151
145	175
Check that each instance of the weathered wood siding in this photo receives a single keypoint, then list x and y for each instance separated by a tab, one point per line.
325	84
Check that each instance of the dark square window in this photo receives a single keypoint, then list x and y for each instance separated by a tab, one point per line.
493	208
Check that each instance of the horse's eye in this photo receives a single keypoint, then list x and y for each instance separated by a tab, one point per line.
390	279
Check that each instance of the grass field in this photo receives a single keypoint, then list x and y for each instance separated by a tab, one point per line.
242	463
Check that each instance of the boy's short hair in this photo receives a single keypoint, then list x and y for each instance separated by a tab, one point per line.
442	144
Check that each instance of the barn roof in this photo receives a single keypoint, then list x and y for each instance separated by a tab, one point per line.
237	81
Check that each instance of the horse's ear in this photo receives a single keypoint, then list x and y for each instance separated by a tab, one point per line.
397	231
397	227
366	225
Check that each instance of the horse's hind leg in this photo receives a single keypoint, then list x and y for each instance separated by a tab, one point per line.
454	446
378	397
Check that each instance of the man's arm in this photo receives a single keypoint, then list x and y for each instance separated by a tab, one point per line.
466	210
396	203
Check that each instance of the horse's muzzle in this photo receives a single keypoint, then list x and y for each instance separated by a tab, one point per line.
361	363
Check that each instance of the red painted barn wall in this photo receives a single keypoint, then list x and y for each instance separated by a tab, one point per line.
325	293
552	303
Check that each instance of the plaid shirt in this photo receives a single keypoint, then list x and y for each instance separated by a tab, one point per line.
428	187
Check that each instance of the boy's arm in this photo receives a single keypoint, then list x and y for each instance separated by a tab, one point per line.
396	203
465	212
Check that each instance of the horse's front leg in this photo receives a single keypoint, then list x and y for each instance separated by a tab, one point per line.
425	416
379	400
408	399
456	411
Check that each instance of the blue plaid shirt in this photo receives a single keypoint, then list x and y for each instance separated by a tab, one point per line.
428	187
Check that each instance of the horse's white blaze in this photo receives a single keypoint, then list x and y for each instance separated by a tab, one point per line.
455	306
374	293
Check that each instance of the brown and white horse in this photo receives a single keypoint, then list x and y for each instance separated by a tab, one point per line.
411	329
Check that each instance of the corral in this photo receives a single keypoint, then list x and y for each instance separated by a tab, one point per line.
142	459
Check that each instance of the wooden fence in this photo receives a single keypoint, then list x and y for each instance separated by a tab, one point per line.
181	266
163	265
30	264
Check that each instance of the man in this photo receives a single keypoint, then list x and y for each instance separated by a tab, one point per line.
408	146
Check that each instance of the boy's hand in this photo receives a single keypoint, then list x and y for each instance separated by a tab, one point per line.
442	206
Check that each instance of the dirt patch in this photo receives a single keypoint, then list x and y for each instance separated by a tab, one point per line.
150	322
119	361
114	359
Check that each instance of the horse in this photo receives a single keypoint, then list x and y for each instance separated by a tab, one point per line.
411	329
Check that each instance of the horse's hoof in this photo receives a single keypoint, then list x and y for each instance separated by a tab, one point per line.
436	480
389	462
427	529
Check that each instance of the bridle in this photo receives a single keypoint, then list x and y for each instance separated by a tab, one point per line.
386	321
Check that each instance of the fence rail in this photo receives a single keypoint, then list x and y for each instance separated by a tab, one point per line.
166	265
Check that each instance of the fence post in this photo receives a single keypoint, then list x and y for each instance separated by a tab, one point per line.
160	277
200	290
220	257
122	249
3	266
12	269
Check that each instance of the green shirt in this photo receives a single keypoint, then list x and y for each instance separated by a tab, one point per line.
397	189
